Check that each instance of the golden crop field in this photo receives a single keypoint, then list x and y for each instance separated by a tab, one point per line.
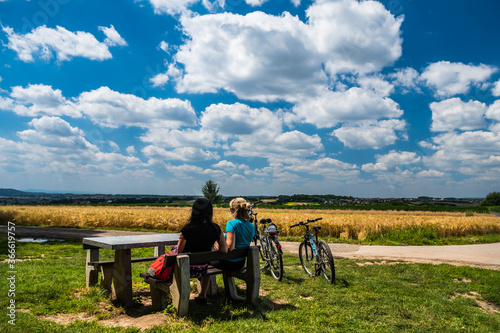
335	223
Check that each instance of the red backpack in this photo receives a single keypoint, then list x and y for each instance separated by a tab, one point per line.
159	269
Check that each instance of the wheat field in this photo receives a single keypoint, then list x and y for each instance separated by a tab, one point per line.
335	223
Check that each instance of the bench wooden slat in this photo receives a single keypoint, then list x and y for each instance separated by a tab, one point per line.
111	262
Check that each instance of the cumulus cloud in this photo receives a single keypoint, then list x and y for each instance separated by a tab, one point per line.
113	38
44	42
406	78
392	161
496	89
39	100
54	132
370	134
453	113
239	119
173	138
333	107
323	166
256	132
474	154
352	36
179	154
493	111
251	55
174	7
450	79
113	109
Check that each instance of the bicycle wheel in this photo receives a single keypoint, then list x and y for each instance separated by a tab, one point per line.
328	266
307	258
275	260
264	253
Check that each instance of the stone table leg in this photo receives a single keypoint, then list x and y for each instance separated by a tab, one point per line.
91	274
122	277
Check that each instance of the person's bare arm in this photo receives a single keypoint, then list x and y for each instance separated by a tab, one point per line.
221	242
231	238
181	243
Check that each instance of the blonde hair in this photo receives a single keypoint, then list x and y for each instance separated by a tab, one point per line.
241	207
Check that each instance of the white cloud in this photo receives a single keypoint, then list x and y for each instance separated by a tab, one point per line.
496	89
370	134
131	150
54	132
159	80
239	119
493	111
171	7
376	84
406	78
255	3
113	109
455	78
164	46
179	154
172	138
256	132
113	38
326	167
251	55
392	161
44	42
352	36
331	108
230	166
471	142
453	113
430	174
38	100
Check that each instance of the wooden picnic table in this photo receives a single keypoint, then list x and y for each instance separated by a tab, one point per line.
122	265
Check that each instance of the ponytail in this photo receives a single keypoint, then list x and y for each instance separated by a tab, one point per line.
241	208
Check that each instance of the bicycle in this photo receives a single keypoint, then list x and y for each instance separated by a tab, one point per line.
315	256
270	247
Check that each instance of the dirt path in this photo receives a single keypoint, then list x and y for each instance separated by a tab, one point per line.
480	255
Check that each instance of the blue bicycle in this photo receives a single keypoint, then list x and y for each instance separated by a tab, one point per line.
315	256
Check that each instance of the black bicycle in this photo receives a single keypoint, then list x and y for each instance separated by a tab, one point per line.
270	248
315	256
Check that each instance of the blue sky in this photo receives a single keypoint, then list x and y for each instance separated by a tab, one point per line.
363	98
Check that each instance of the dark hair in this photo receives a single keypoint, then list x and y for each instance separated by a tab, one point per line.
202	211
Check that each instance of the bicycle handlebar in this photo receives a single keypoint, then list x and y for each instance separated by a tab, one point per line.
305	223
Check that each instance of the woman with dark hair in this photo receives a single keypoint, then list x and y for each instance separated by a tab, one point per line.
199	235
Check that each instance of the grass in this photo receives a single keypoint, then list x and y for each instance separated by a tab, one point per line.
369	296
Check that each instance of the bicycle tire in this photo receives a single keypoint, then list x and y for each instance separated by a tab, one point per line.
263	251
307	258
275	260
328	265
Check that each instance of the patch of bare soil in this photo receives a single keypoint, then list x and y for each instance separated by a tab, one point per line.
484	305
383	262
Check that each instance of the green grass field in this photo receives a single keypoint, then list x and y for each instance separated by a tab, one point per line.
368	297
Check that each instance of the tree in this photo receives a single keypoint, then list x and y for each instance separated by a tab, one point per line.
492	199
211	192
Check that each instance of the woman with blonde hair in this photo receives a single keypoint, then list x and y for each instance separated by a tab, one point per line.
239	232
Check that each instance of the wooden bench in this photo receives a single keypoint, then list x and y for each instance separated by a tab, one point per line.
179	287
106	270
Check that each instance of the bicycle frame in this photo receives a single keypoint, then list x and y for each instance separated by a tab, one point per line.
309	238
269	244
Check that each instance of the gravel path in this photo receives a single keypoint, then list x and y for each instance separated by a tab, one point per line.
477	255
